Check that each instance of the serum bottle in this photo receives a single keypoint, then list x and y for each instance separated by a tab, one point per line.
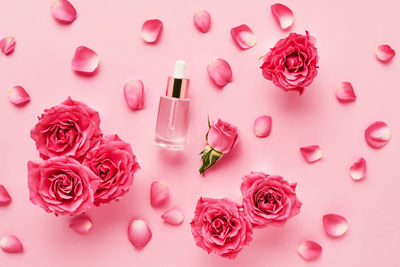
173	111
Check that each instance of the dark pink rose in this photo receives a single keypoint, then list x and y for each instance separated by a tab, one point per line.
222	136
220	226
114	163
268	199
69	129
292	63
61	185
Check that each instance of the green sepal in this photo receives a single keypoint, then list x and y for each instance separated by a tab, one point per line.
209	156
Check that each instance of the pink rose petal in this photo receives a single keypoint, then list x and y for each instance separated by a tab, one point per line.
63	11
309	250
18	96
202	20
133	92
220	72
358	169
173	216
81	224
151	30
243	36
11	244
139	233
159	194
85	60
5	197
262	126
385	53
334	225
7	44
378	134
311	153
345	92
283	15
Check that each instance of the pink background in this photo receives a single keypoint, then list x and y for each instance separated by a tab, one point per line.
347	34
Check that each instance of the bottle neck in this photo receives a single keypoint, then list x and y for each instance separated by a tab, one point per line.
177	88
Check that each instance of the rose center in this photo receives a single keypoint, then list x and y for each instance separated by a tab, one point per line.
294	62
62	136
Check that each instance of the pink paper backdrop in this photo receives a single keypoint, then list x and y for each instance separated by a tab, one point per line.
347	33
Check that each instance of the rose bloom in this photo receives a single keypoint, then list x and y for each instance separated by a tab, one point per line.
61	185
114	163
70	128
292	63
222	136
268	199
221	227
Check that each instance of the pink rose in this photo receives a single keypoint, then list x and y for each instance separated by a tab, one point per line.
292	63
70	129
221	227
268	199
61	185
114	163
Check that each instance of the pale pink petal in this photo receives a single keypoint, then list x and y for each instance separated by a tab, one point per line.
334	225
385	53
243	36
358	169
159	194
133	92
7	44
151	30
139	233
202	20
63	11
309	250
18	96
311	153
262	126
378	134
220	72
283	15
173	216
85	60
81	224
345	92
5	197
11	244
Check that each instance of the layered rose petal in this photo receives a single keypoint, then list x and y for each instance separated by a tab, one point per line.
283	15
385	53
85	60
11	244
133	92
151	30
309	250
18	96
311	153
345	92
5	198
243	36
173	216
7	44
358	169
220	72
377	134
334	225
262	126
139	233
81	224
202	20
63	11
159	194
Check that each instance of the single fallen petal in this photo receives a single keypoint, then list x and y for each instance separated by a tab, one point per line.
5	197
173	216
309	250
378	134
385	53
334	225
283	15
18	96
81	224
11	244
133	92
243	36
159	194
358	169
311	153
85	60
7	44
202	20
220	72
345	92
262	126
139	233
63	11
151	30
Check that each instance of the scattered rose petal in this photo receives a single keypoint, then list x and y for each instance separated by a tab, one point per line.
5	197
262	126
173	216
311	153
385	53
133	92
309	250
220	72
81	224
378	134
334	225
7	44
283	15
358	169
11	244
139	233
63	11
243	36
159	194
345	92
202	20
85	60
151	30
18	96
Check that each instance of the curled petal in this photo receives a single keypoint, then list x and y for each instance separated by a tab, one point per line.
385	53
173	216
133	92
159	194
334	225
81	224
11	244
151	30
283	15
358	169
309	250
378	134
63	11
243	36
139	233
220	72
202	20
262	126
5	197
311	153
85	60
18	96
345	92
7	44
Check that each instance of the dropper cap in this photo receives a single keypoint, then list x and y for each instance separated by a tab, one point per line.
178	85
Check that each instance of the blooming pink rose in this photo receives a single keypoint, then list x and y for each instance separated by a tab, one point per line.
114	163
268	199
222	136
70	129
292	63
61	185
221	227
